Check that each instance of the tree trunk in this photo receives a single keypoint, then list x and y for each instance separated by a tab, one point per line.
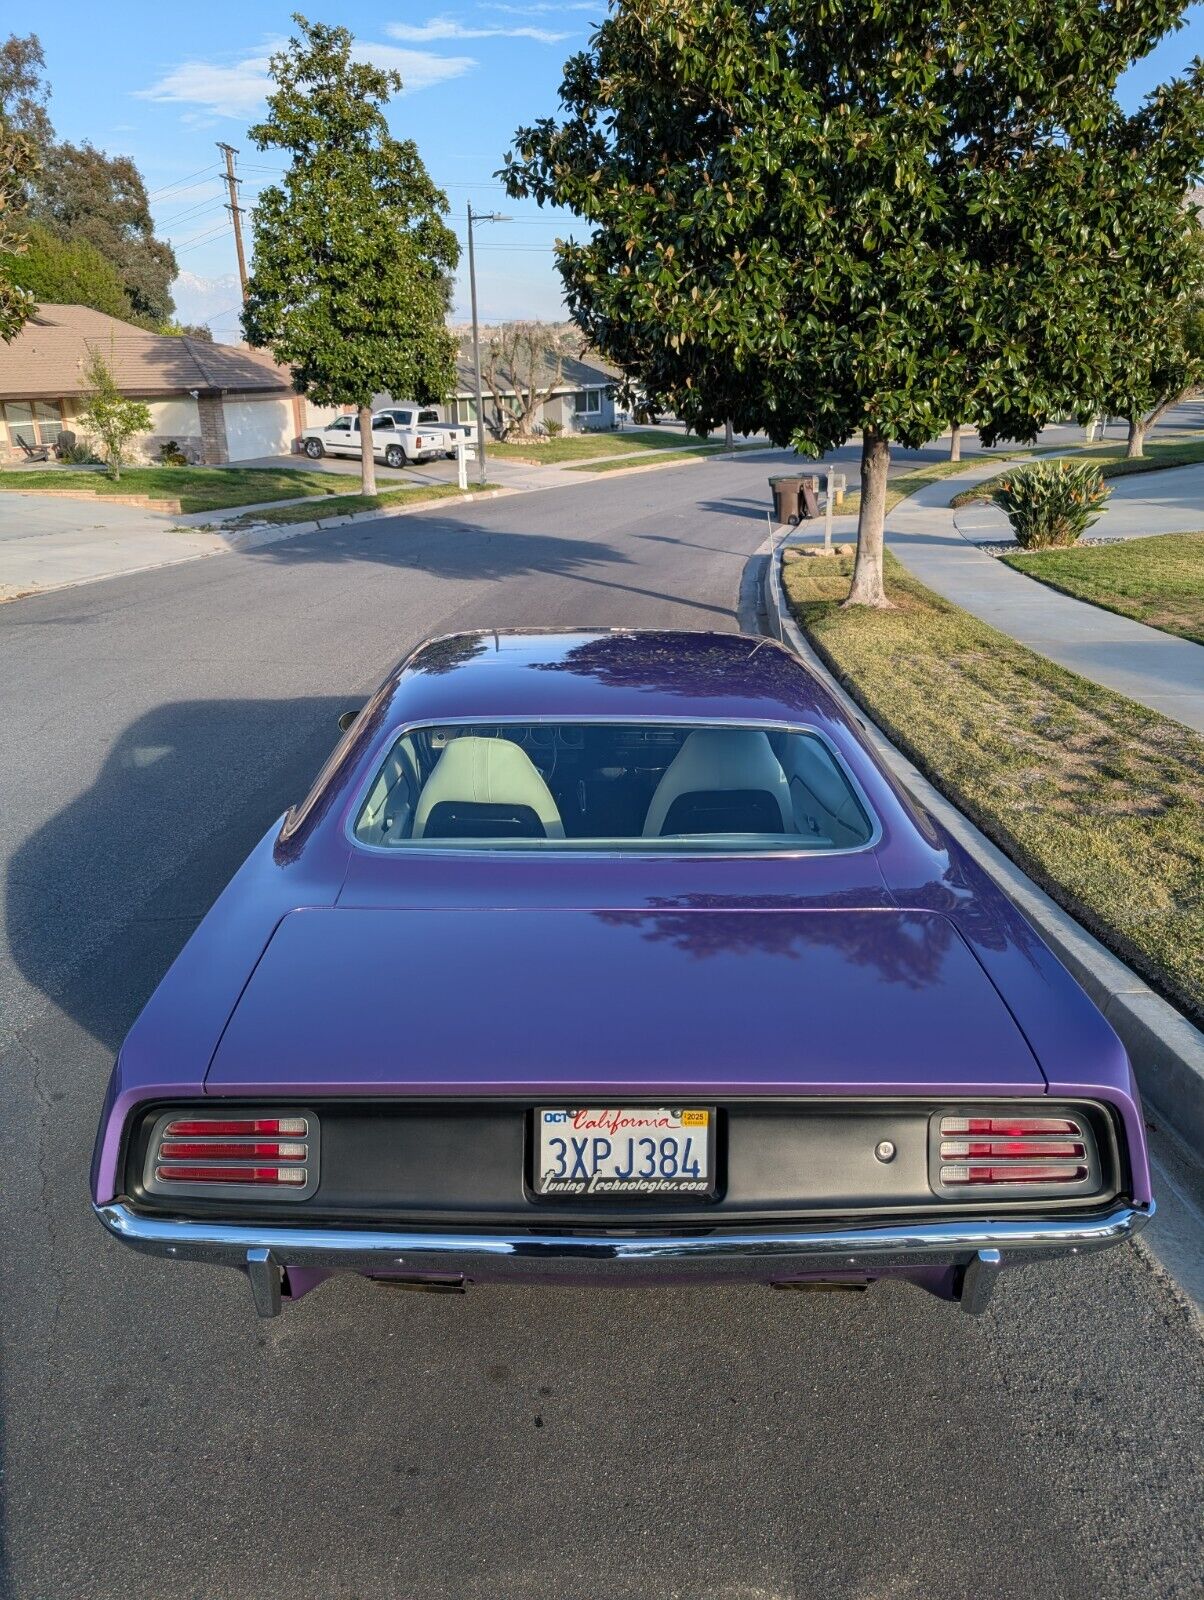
729	434
367	459
868	588
955	442
1136	444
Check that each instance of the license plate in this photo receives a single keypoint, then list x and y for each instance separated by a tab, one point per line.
641	1152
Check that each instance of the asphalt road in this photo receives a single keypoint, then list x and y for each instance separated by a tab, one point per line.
533	1445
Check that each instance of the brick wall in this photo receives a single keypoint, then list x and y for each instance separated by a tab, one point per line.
213	430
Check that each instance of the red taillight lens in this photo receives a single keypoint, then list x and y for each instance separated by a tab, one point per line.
1011	1150
1009	1127
235	1127
203	1150
959	1149
1014	1172
213	1174
202	1154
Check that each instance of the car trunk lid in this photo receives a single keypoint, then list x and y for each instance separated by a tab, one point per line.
575	1003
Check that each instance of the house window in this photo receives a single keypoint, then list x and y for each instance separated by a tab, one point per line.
33	421
587	402
466	411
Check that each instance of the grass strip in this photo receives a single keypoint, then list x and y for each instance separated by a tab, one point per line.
344	505
1111	460
666	458
196	488
1159	580
584	446
1098	799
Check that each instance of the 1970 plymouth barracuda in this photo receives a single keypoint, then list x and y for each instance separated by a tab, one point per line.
615	957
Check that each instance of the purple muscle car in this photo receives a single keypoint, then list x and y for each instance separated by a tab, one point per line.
615	957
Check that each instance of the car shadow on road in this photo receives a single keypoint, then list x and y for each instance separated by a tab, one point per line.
82	927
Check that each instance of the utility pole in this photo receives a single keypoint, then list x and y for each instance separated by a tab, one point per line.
478	216
235	211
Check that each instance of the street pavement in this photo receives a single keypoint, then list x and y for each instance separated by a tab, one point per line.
513	1444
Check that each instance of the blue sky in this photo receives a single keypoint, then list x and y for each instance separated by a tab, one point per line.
163	82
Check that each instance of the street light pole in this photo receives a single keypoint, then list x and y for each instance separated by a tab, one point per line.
478	216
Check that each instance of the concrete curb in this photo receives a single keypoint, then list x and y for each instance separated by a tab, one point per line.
269	532
1167	1052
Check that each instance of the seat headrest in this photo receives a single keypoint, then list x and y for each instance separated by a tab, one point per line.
717	759
476	771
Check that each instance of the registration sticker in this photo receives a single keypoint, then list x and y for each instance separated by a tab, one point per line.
637	1152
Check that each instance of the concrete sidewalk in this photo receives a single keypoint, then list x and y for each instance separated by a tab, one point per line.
1154	668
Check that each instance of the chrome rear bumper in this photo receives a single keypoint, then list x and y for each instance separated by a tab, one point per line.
976	1249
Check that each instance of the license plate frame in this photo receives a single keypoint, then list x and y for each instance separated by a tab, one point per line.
585	1179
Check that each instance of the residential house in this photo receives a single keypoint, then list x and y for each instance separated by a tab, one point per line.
581	398
218	403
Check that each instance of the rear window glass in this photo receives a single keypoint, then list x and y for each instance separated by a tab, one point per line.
428	416
608	786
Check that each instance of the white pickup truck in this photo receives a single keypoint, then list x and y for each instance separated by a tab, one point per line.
400	434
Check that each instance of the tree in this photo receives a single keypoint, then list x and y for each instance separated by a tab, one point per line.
1161	361
24	90
84	194
353	261
18	163
522	364
58	272
107	414
879	219
189	330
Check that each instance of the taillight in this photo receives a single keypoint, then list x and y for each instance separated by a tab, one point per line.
219	1155
1012	1152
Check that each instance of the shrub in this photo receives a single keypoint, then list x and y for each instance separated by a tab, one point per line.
552	429
1051	502
171	455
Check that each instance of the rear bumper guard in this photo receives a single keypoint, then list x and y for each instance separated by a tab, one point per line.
977	1250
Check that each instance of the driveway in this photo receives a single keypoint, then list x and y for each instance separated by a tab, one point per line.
46	541
674	1444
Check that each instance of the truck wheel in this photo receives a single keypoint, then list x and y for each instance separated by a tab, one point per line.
313	449
395	456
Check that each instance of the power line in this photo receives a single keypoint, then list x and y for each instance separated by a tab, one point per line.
204	238
181	184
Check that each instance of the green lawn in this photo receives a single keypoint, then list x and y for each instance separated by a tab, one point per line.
1098	799
1112	462
1159	580
584	446
342	505
196	488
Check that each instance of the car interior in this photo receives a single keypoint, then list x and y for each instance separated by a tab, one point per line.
611	786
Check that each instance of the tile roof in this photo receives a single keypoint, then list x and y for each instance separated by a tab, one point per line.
45	360
578	373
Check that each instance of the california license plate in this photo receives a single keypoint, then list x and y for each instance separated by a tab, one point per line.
642	1152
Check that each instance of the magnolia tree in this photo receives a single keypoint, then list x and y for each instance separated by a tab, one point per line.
18	163
826	220
353	262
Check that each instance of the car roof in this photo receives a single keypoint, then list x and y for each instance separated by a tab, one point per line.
606	673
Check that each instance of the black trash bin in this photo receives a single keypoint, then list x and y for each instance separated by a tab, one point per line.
786	500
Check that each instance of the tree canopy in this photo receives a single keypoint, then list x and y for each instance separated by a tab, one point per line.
822	218
352	258
61	272
84	194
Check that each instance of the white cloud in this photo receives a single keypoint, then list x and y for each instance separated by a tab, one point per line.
237	89
448	28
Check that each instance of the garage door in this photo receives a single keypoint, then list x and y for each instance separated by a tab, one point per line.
258	428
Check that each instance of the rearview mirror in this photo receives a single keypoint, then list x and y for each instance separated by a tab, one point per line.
346	718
